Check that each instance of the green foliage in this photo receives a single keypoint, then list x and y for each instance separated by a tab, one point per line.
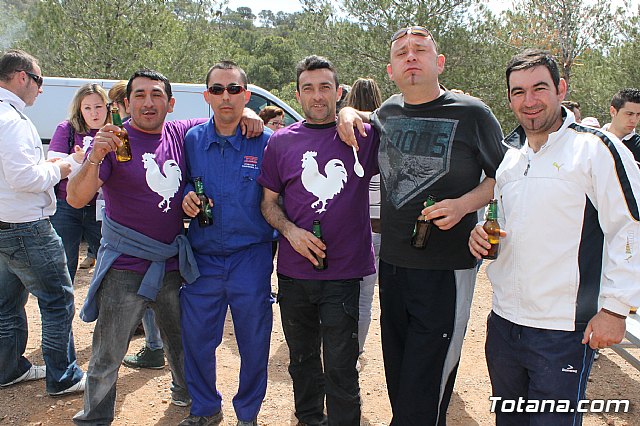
597	46
11	23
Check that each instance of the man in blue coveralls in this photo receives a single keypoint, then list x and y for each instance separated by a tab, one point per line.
233	254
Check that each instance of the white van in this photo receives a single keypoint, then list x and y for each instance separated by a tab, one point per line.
52	106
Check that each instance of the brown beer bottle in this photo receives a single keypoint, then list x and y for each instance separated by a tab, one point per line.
322	261
492	228
123	152
205	215
422	229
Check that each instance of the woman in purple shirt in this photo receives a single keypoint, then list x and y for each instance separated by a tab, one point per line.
87	113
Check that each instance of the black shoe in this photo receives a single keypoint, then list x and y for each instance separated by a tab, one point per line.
192	420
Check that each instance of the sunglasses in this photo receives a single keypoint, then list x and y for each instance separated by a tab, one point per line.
233	89
276	123
416	30
37	78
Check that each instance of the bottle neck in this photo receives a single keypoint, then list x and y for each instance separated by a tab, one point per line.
492	214
115	118
199	187
430	201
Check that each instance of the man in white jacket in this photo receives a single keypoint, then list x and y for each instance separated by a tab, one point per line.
569	269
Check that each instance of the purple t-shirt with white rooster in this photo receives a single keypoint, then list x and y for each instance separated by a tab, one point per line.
313	171
145	193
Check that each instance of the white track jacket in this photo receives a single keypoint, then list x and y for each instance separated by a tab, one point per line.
571	216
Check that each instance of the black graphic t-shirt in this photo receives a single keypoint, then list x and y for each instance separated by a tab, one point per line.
439	148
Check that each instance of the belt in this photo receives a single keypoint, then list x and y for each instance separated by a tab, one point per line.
6	225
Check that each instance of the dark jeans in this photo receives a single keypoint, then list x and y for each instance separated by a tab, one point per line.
72	224
536	364
318	312
32	261
121	310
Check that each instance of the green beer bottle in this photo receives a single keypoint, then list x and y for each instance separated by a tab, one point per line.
205	215
322	262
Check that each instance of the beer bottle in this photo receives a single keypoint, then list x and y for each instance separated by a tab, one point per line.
492	228
123	152
422	229
322	261
205	215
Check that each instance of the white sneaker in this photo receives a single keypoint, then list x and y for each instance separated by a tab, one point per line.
36	372
78	387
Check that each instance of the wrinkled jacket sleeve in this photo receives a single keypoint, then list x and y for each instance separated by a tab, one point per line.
616	184
25	167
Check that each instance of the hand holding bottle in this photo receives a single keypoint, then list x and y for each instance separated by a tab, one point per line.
479	244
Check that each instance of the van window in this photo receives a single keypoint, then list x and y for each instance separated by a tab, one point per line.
257	102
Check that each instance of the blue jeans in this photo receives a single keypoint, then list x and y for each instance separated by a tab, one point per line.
71	224
32	261
120	312
314	313
152	337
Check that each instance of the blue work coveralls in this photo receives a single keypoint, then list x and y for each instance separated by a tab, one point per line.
234	258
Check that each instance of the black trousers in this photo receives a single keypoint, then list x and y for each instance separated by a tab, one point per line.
418	309
316	312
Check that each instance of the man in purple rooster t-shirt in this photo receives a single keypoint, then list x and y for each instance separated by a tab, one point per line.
143	239
319	179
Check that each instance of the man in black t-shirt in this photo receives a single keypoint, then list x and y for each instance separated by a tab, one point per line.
433	142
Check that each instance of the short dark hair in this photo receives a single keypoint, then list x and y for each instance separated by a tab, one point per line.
571	105
629	94
152	75
13	60
533	58
269	112
315	62
227	65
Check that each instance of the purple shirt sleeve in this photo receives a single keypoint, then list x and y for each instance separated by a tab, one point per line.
60	139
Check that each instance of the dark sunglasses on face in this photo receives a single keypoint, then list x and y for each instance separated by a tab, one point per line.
416	30
37	78
233	89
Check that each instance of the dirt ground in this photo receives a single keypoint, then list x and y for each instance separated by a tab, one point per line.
143	395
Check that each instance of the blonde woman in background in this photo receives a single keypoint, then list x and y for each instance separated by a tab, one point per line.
87	114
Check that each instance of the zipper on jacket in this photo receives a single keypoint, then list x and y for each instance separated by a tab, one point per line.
526	171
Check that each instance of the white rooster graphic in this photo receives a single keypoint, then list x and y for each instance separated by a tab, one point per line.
165	185
323	187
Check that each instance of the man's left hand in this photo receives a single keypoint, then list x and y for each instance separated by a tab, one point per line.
251	124
445	214
604	330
